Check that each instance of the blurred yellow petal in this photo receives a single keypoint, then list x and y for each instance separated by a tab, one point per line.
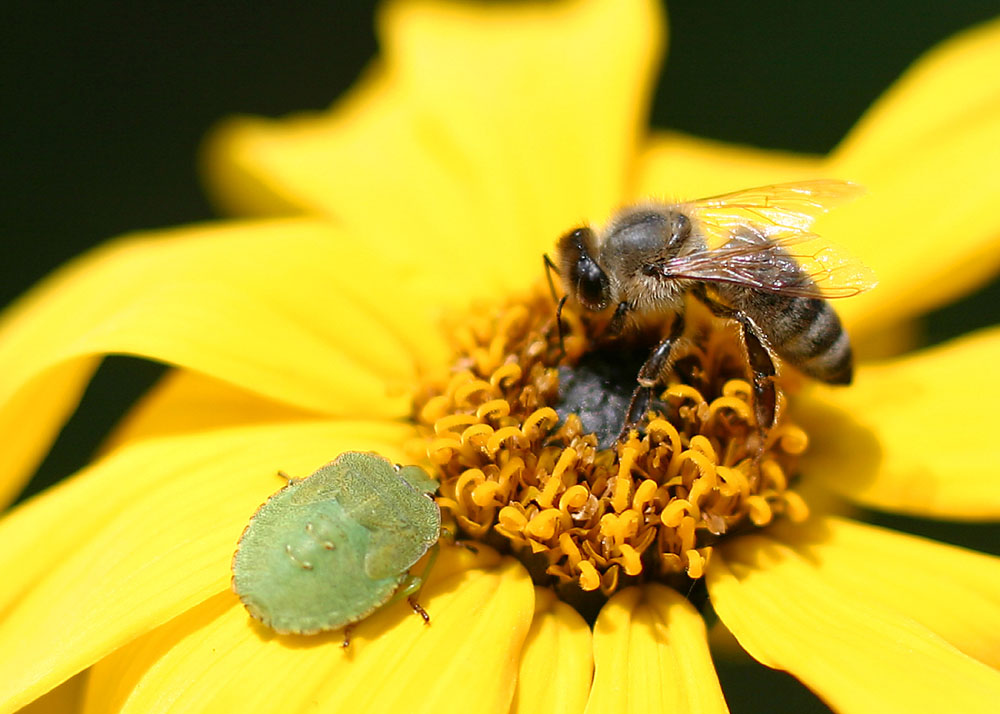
913	435
928	227
215	658
290	310
371	140
30	417
927	152
651	655
557	661
554	114
675	166
337	163
483	109
952	84
140	537
185	402
855	653
949	590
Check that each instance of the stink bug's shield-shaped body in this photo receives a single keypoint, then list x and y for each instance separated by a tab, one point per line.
328	550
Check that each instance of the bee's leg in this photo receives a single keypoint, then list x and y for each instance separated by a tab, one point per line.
636	408
616	325
765	393
659	360
650	375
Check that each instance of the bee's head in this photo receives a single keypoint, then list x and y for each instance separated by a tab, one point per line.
582	277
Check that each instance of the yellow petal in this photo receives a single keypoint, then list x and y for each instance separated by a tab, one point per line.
520	100
675	167
363	163
67	698
950	85
557	661
291	310
951	591
928	227
651	655
30	417
927	153
214	658
140	537
484	110
855	653
914	435
183	402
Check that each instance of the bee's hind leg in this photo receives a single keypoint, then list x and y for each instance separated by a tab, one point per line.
765	393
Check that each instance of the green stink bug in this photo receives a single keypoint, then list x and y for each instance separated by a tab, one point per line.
328	550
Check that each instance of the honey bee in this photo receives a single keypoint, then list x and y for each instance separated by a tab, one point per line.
749	256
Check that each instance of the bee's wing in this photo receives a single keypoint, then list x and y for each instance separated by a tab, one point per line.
803	265
760	238
780	210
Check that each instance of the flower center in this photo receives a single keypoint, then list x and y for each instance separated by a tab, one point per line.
524	435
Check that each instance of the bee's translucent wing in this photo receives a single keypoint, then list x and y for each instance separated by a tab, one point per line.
780	210
761	238
801	266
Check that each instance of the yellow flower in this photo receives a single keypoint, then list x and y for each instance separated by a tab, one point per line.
483	134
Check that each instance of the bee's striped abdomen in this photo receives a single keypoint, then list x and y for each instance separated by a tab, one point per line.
807	333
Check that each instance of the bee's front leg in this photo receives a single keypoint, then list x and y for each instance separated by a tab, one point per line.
651	374
660	359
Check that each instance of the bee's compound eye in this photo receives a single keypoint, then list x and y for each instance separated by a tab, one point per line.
591	284
581	274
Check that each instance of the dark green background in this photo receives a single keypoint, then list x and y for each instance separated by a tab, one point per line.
104	105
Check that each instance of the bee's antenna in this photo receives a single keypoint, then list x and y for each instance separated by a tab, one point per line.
550	268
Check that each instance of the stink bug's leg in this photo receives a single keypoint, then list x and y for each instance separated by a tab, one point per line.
411	586
409	589
418	609
290	479
450	536
431	559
